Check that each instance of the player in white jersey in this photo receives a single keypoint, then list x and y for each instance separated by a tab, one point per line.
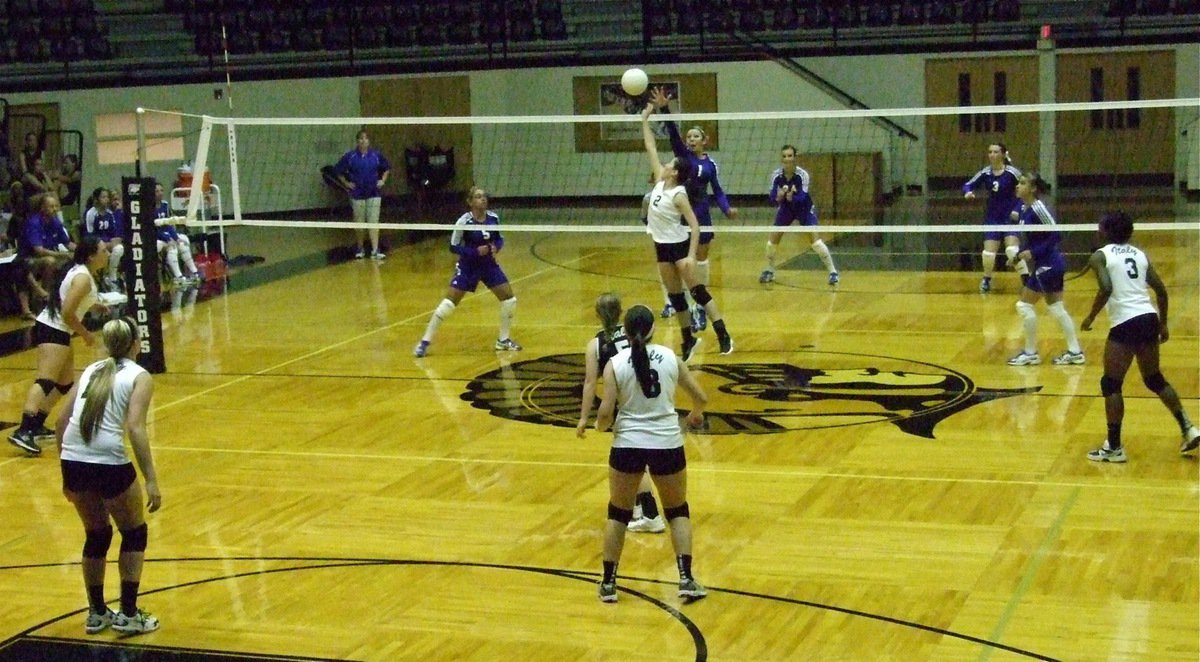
675	244
646	435
1135	331
74	295
600	349
110	401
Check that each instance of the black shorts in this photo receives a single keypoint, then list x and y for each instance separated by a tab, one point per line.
107	480
661	461
672	253
1137	331
44	333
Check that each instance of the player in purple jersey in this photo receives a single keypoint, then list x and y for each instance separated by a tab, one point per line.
1136	328
476	240
174	247
363	171
1042	268
789	190
100	221
999	179
690	149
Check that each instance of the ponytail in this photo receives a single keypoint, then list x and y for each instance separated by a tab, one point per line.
639	328
96	396
119	336
608	309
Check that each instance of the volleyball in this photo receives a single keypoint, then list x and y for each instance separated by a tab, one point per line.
634	81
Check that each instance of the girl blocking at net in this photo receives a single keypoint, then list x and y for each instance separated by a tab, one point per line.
1136	329
646	436
789	192
999	179
476	240
691	152
676	245
1043	268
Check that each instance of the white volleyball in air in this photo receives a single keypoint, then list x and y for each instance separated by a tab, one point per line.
634	81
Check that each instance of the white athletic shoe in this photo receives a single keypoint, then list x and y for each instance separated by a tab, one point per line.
1106	454
136	624
648	525
1025	359
1069	358
1191	440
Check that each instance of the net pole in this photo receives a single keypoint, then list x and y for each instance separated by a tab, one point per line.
202	144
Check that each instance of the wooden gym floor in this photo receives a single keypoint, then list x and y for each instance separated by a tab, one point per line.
875	482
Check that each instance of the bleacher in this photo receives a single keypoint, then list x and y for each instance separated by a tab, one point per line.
105	42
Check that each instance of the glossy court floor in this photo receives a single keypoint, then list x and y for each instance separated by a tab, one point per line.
874	483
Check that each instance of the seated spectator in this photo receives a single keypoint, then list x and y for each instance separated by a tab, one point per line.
70	181
172	245
102	223
44	244
16	276
31	150
37	181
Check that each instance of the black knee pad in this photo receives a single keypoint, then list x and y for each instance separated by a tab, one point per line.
95	545
1156	382
619	514
1109	386
134	540
701	295
678	511
63	388
678	301
46	385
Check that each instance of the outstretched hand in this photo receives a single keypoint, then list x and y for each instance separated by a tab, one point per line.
658	97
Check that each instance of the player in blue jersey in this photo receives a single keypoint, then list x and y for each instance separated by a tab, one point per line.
1042	267
999	179
476	240
789	190
690	150
174	247
600	349
100	221
363	171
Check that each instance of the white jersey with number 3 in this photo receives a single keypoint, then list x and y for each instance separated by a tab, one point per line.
647	421
664	222
1127	268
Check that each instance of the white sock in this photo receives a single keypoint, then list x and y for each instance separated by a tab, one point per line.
439	315
173	261
1029	321
770	256
1011	252
989	263
114	260
508	308
702	273
822	251
185	254
1059	312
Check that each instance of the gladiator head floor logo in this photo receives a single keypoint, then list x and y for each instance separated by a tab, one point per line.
831	390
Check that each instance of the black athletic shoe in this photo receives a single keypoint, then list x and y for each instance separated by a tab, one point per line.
689	349
25	441
726	343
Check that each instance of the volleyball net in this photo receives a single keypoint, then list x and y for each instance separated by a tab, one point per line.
876	175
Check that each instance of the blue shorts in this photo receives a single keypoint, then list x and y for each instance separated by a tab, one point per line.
706	237
999	235
784	218
466	277
1045	279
